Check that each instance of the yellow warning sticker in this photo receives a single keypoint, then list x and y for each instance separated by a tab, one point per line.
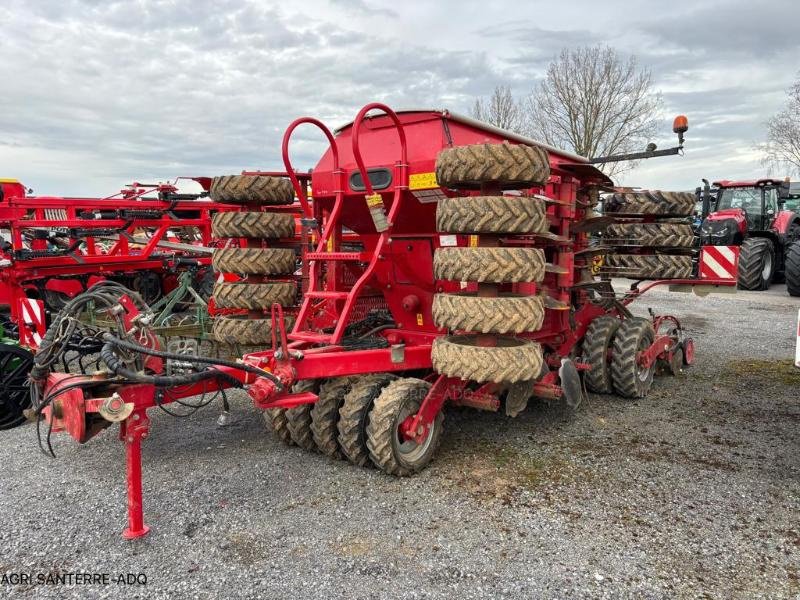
473	241
597	263
422	181
330	244
419	319
374	200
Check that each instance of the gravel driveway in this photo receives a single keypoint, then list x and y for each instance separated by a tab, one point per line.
693	492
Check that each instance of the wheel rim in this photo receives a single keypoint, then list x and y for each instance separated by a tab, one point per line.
15	364
408	450
643	374
767	270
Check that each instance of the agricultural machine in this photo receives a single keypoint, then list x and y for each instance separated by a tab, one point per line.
151	238
753	215
443	261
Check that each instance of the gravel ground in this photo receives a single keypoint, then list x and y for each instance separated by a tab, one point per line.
693	492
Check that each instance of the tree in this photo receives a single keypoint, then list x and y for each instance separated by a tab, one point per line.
782	149
501	110
594	103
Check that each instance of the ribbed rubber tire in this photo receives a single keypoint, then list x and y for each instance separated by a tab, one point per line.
505	313
633	336
490	265
752	254
651	202
298	418
648	266
261	225
354	416
254	261
512	360
491	214
254	296
275	418
661	235
598	340
251	189
325	415
511	165
793	269
244	331
398	400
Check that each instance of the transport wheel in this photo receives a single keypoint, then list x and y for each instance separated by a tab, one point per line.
254	296
491	214
648	266
204	283
251	189
354	416
630	379
262	225
660	235
388	449
511	165
510	361
15	365
793	269
254	261
651	202
325	415
298	418
244	331
275	418
756	264
505	313
596	345
490	265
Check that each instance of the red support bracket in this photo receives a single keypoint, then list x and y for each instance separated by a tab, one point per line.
132	431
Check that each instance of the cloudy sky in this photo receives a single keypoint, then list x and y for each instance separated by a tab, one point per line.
98	93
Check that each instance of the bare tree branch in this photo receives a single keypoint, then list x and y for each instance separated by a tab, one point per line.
782	148
501	110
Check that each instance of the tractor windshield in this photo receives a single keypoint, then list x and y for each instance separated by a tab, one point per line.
748	199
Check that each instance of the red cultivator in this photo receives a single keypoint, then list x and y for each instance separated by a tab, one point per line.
443	261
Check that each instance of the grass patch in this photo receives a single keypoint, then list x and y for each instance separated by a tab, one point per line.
782	371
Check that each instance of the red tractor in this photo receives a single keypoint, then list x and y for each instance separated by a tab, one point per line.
753	215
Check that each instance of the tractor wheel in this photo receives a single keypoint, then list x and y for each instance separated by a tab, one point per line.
15	365
204	283
756	264
388	450
660	235
325	415
251	189
354	416
491	214
298	418
630	379
254	296
491	265
243	331
648	266
793	269
261	225
510	361
254	261
511	165
652	202
506	313
596	344
275	418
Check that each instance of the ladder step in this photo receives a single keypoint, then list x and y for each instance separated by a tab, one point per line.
327	295
344	256
307	336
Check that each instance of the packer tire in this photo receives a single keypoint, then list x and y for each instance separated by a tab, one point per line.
634	335
254	261
597	342
490	265
254	296
275	418
243	331
510	165
753	256
491	214
505	313
651	202
648	266
657	235
251	189
354	416
325	415
298	418
261	225
512	360
398	400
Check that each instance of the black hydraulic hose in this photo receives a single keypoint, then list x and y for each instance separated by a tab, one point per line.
112	341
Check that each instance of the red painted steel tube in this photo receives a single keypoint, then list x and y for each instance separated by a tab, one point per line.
301	190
